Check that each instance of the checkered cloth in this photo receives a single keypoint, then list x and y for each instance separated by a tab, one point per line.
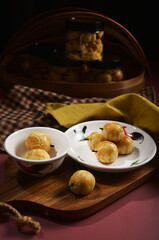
25	107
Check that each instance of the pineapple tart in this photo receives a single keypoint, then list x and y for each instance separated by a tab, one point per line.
38	140
37	154
94	138
82	182
125	145
113	132
106	152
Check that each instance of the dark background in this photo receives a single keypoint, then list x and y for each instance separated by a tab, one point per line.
140	18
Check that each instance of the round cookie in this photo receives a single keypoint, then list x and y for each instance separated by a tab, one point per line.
38	140
106	152
126	145
95	138
37	154
113	131
82	182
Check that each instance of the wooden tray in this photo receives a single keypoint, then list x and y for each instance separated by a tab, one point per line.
51	196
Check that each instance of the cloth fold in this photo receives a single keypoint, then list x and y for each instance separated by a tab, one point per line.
130	108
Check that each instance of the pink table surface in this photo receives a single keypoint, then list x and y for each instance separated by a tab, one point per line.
134	216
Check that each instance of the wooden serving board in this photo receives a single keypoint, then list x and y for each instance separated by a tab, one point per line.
50	195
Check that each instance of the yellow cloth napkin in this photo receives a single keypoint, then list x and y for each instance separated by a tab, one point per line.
130	108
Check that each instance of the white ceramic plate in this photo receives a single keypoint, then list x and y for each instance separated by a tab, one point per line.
145	147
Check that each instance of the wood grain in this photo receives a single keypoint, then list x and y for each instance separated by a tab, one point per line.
50	195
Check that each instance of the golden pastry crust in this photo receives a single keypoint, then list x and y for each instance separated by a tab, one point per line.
117	74
107	152
104	77
126	145
95	138
38	140
113	131
37	154
82	182
85	46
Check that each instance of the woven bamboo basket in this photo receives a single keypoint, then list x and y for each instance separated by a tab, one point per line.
49	28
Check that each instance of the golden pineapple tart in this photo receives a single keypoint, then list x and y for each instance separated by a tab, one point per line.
125	145
37	154
82	182
95	138
106	152
113	132
38	140
110	142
